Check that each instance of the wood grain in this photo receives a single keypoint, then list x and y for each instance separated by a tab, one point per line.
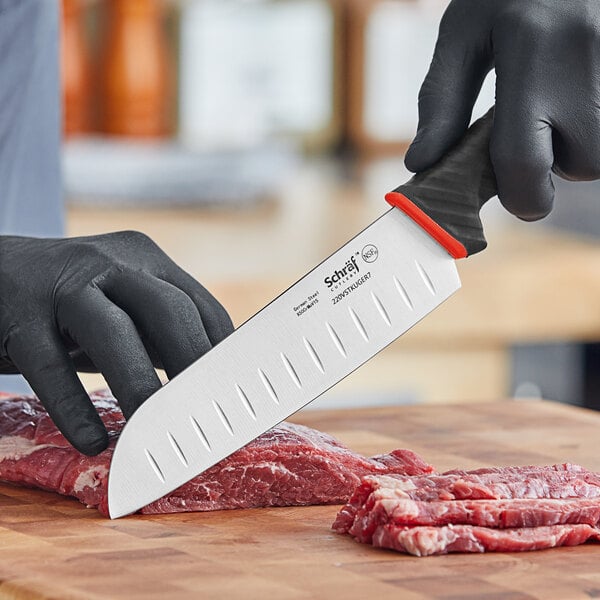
54	548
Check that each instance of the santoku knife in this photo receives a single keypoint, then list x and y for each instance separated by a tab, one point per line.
339	315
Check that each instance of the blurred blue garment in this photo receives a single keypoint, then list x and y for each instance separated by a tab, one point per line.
31	198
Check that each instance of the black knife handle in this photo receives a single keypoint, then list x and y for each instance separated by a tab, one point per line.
446	198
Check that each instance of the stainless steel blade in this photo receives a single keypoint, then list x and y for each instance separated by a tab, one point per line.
331	321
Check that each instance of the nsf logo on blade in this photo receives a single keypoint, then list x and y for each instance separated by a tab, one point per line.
369	253
345	273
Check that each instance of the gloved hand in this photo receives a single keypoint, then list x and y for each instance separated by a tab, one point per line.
547	59
112	303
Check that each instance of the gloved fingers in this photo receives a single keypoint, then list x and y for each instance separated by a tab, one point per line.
215	318
577	147
110	339
522	157
164	315
461	60
44	362
82	362
7	367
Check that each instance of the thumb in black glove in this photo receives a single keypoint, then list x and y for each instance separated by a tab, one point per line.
112	303
547	118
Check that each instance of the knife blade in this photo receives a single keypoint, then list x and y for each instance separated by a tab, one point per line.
339	315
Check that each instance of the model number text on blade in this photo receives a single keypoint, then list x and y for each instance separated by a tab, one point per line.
353	286
305	305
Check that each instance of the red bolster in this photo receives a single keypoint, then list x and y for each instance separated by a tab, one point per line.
440	235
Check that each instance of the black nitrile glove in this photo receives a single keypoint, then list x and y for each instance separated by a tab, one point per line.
112	303
547	59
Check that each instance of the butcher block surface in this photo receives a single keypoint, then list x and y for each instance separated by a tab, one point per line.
54	548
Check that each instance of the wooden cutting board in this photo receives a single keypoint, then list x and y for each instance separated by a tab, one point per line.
54	548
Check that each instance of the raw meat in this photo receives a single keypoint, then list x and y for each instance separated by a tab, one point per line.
502	508
425	541
527	512
555	481
288	465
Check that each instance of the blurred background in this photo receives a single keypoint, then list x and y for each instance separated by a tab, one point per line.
251	138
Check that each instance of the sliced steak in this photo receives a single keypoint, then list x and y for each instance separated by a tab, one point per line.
289	465
556	481
496	509
504	514
426	541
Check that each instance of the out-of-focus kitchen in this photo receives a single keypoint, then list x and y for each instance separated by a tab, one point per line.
250	139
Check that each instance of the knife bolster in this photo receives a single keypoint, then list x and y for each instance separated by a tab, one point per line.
438	233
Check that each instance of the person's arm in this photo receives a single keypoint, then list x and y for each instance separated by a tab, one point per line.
112	303
546	54
31	196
